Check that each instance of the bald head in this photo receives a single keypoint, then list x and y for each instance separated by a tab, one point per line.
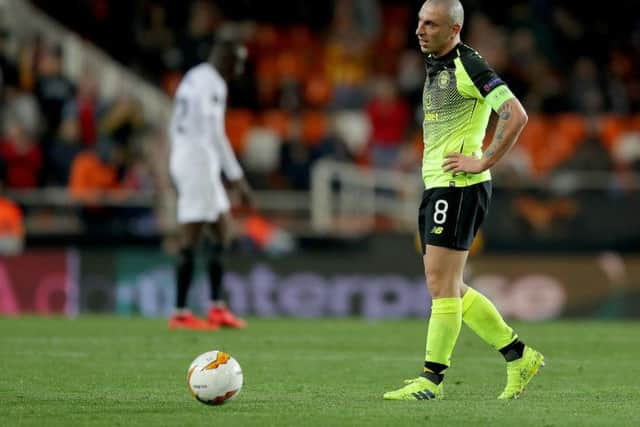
453	9
439	25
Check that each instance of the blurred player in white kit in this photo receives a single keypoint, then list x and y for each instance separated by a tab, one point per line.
200	153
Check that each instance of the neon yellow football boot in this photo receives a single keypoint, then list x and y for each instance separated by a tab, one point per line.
520	372
418	388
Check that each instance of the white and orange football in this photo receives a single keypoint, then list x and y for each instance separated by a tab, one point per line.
214	377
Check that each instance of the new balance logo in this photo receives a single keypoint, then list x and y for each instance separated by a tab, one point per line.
425	394
437	230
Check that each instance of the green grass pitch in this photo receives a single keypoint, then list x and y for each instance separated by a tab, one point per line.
109	371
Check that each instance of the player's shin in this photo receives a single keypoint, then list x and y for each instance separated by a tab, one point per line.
184	275
444	328
215	270
483	318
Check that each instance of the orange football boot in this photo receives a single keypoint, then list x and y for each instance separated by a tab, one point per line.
189	321
222	316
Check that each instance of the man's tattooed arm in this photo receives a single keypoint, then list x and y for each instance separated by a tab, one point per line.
511	120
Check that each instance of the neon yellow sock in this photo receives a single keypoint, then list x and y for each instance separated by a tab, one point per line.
479	314
443	331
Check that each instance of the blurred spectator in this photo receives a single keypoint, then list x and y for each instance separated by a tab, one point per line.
28	60
590	154
514	168
122	119
153	150
490	40
22	157
96	178
52	90
62	152
95	172
333	147
295	157
366	16
348	52
554	56
585	89
8	68
138	179
620	74
204	19
626	154
261	155
24	108
390	117
11	226
154	38
410	80
265	237
84	108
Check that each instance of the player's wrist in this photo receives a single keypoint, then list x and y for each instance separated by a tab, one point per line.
486	163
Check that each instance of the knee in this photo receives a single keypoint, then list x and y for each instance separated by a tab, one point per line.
442	284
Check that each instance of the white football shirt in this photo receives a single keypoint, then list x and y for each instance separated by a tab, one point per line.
197	126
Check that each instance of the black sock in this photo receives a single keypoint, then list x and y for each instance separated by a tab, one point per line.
215	270
513	351
433	372
184	274
434	378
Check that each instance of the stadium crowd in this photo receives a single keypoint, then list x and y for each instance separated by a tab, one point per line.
339	79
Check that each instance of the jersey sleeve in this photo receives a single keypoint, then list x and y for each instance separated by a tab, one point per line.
214	109
483	82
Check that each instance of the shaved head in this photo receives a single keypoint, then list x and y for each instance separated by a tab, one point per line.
439	25
453	8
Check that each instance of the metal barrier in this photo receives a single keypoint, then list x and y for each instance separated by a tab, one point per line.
347	198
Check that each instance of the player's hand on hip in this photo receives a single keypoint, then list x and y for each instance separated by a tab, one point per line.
456	162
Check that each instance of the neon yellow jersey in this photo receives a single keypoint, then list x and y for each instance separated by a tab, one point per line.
459	92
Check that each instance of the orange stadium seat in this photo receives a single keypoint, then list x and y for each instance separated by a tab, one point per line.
266	67
317	90
267	79
315	125
533	136
90	176
238	122
555	142
533	133
11	219
633	123
267	38
549	141
300	38
559	149
611	127
277	121
572	126
290	65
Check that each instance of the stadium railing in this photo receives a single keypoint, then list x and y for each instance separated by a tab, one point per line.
346	198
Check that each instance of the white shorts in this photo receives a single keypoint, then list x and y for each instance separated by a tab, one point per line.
201	194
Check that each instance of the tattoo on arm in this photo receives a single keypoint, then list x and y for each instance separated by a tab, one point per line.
504	114
505	111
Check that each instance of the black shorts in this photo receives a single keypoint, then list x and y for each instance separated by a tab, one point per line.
451	216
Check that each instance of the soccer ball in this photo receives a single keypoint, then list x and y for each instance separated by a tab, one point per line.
214	377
